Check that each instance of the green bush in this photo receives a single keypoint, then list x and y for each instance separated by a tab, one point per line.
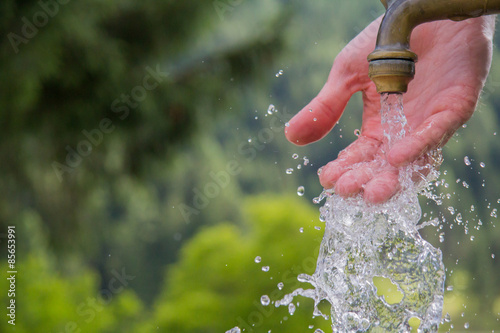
216	284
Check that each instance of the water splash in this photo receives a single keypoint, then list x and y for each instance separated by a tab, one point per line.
369	249
393	119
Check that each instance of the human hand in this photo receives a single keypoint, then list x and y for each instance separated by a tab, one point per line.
453	62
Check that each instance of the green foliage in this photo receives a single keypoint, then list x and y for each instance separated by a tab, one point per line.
217	285
50	301
119	206
71	74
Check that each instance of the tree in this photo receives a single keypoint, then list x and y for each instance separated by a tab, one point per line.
96	95
217	283
44	299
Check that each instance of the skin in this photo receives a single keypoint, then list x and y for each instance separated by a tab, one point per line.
454	61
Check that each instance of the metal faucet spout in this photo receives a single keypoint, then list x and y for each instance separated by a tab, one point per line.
392	63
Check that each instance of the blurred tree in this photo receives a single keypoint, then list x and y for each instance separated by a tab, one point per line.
96	96
69	301
217	284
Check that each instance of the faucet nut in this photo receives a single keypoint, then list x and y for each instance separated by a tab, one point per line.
391	75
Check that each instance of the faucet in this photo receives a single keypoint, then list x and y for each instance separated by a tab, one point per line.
392	63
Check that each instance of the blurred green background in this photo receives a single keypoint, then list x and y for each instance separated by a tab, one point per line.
144	174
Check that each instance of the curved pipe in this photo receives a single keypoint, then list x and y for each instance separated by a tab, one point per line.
392	63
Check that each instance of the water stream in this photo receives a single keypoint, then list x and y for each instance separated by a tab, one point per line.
369	248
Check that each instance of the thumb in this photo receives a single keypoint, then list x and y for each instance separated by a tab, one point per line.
318	117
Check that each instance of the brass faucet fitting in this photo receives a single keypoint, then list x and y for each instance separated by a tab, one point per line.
391	75
392	63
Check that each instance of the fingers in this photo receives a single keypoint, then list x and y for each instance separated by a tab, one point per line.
432	133
382	187
353	181
377	182
362	150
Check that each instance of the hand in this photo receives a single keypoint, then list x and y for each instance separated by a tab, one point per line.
454	61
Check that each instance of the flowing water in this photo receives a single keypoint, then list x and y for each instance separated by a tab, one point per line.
369	248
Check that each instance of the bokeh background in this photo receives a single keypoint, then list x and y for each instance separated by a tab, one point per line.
144	173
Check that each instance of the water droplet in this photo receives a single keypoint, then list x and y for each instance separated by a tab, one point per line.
306	160
441	237
466	325
447	317
319	171
357	132
291	308
471	238
310	110
319	330
289	171
493	213
249	139
467	160
295	156
234	330
256	118
299	166
301	230
449	288
300	191
492	256
258	259
271	109
317	227
265	268
265	300
464	184
451	210
482	165
315	119
281	285
287	124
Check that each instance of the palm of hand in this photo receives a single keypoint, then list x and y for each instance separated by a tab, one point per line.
454	60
